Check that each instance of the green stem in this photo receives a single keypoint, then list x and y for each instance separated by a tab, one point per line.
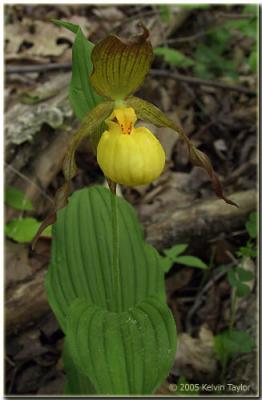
116	295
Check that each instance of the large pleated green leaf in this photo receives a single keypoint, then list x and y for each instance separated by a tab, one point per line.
76	381
122	353
82	95
81	262
131	341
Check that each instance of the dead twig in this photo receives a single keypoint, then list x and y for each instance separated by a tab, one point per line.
186	39
30	181
202	82
27	69
10	362
200	298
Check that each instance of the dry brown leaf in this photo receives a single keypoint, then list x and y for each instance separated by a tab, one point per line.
170	193
35	39
195	356
110	13
50	88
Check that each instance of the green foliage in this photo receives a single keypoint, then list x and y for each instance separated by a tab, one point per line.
244	275
251	225
236	277
191	261
23	230
172	256
174	57
164	12
76	382
174	251
228	344
122	347
16	199
81	94
132	339
210	59
249	250
252	59
232	342
213	56
251	9
193	6
248	27
233	279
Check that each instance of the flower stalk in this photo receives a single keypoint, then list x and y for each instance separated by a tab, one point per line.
115	254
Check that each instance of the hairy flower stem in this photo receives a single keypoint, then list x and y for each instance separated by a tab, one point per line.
115	254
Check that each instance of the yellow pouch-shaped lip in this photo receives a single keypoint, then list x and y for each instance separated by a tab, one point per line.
127	155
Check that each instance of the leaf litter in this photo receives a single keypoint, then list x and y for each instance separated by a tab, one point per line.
221	123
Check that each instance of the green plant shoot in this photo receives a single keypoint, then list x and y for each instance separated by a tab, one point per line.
105	284
232	341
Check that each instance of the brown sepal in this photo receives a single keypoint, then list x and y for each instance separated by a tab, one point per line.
61	199
149	112
120	65
90	125
51	219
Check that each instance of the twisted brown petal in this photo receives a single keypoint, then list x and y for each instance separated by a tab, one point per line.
151	113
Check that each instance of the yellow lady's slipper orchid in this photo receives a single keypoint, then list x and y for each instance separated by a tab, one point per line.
128	155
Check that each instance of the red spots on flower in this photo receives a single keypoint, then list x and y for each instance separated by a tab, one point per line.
127	128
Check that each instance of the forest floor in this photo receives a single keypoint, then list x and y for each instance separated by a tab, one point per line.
204	77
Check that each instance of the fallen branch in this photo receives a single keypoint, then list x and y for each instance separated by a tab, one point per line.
202	221
25	302
202	82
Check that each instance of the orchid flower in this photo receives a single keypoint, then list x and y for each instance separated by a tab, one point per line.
127	155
